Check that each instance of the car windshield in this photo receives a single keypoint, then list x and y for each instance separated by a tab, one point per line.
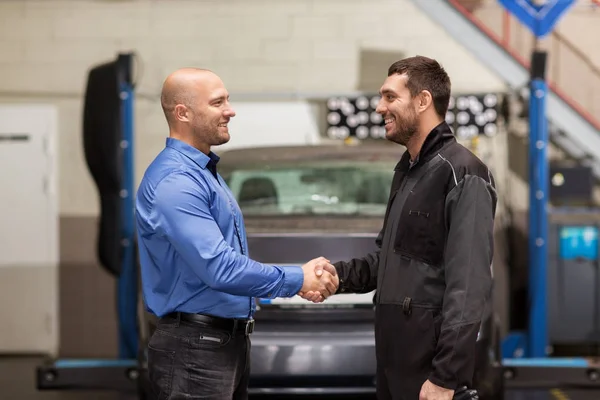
315	188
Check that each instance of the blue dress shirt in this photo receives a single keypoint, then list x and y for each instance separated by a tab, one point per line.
192	241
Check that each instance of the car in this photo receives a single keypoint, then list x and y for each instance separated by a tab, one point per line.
302	202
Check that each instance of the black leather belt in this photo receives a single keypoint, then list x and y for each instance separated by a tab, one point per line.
228	324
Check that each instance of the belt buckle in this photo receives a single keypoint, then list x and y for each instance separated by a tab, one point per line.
249	327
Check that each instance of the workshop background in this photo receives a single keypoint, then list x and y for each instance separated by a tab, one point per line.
275	57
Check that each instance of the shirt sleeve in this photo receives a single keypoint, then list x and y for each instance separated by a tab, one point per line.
181	214
468	259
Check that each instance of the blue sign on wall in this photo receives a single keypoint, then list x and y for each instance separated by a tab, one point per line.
539	16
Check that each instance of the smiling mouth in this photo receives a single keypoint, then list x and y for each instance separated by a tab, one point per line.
223	125
389	121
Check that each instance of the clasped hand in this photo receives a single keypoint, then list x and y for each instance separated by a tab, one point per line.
430	391
320	280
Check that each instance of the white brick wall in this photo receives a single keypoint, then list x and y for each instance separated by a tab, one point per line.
47	47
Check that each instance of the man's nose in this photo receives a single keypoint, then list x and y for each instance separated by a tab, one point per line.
380	108
230	112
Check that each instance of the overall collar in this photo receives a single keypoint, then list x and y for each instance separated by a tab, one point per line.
437	138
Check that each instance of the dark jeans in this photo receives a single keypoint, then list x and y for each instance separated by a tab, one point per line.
189	360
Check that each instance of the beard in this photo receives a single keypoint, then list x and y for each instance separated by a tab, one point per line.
211	133
405	128
220	136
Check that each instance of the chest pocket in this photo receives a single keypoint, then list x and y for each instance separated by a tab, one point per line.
421	230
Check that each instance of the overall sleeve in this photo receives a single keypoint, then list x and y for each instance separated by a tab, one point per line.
470	210
182	215
359	275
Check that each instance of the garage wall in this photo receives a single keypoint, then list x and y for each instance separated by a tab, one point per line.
573	49
257	46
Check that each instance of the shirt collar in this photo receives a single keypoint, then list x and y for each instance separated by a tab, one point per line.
193	153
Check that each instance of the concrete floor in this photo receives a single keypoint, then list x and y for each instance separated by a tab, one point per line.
17	381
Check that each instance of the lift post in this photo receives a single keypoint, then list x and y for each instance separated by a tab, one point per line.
541	20
122	373
538	209
127	288
525	355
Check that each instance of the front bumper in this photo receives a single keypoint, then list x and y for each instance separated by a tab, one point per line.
313	358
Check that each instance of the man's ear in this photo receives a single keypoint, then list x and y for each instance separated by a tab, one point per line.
181	113
425	101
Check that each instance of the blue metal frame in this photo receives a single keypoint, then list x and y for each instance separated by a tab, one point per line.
540	19
98	373
538	219
534	343
128	280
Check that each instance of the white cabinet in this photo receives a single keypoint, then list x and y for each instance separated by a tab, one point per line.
28	229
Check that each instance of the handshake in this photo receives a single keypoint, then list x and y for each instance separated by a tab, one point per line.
320	280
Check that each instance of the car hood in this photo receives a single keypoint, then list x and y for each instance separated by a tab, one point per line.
312	224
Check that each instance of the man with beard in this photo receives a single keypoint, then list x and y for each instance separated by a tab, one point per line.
196	274
432	271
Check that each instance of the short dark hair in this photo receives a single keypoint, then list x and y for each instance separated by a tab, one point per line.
425	74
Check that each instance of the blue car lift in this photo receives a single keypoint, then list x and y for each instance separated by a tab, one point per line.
112	374
525	354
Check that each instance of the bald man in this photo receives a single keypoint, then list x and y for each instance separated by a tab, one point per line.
196	275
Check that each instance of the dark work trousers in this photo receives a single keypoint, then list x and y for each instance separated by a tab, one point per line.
192	360
405	346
